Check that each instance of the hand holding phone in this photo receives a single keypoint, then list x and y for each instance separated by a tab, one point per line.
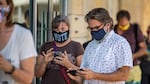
73	72
57	53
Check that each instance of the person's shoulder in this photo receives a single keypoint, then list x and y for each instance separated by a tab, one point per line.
120	40
21	31
47	43
135	26
118	37
74	42
86	43
21	28
21	24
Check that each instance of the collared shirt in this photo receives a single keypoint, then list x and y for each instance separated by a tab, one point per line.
107	56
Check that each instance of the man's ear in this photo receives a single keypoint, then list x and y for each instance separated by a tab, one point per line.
108	25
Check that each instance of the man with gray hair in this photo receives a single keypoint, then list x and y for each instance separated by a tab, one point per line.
107	58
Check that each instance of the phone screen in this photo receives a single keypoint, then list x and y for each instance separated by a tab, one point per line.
57	53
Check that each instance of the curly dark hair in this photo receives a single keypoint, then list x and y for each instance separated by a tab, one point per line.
123	14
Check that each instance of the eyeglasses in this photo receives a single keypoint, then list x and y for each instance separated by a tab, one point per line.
94	28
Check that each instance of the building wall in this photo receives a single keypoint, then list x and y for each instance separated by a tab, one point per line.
139	10
76	14
146	15
77	9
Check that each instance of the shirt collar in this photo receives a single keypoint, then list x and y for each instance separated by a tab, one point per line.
106	37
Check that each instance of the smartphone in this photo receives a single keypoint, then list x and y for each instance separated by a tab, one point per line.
57	53
73	72
81	69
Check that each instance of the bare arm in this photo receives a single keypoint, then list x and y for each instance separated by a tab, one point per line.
142	51
40	66
120	75
42	61
79	58
26	72
77	79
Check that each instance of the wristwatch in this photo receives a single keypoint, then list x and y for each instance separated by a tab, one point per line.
12	70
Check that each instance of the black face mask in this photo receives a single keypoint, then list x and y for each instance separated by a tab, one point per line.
60	37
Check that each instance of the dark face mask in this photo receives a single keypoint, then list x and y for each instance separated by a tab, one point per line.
61	36
98	35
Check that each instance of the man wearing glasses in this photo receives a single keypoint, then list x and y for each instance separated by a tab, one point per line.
107	58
